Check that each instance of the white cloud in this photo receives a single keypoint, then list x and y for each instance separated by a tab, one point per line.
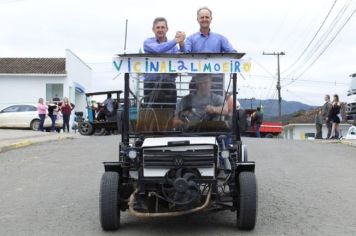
95	29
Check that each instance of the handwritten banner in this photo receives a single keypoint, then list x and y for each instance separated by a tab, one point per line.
180	65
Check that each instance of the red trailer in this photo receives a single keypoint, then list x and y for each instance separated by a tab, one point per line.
269	129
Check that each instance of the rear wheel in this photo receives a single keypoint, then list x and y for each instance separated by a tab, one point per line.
246	201
85	128
269	135
109	201
99	131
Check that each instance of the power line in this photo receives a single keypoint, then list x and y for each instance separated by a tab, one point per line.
311	41
326	34
327	46
264	68
274	77
262	77
300	97
322	39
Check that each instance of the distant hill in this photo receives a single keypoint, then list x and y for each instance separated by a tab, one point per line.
270	106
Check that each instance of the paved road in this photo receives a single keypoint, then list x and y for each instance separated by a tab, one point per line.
305	188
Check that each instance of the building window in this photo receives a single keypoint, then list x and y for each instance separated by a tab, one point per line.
54	90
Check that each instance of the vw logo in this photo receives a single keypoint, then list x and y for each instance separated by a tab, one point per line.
178	161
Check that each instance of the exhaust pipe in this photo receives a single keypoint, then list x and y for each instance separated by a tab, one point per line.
133	212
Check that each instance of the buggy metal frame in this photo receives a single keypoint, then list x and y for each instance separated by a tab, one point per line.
127	180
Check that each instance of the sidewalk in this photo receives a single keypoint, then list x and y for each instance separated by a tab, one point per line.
12	139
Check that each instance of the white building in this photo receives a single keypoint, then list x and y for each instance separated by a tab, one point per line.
304	131
25	80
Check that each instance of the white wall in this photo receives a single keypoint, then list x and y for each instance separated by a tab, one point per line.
298	131
25	88
78	73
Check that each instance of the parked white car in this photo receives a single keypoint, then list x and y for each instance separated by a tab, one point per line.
25	116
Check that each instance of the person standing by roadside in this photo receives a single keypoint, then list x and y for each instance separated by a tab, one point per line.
258	119
335	117
109	108
52	113
325	114
319	124
66	109
42	111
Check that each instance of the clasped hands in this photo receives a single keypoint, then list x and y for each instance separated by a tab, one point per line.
180	37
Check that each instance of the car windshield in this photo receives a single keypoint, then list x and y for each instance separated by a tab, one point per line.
188	103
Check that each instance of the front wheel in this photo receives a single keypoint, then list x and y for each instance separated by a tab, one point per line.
269	135
109	203
85	128
247	201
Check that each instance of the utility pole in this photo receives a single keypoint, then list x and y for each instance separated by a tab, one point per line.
278	81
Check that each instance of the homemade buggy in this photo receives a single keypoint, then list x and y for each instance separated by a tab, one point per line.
170	165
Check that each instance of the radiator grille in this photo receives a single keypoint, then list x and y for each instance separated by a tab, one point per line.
201	158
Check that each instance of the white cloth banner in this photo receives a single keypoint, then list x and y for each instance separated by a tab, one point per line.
197	65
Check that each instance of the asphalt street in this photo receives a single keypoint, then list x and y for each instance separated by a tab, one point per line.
52	188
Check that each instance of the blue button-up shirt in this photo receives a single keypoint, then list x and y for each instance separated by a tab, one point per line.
153	45
214	42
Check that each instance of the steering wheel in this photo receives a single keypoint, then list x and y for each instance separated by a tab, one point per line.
189	113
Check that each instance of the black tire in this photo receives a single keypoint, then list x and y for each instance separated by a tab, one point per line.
85	128
247	201
100	131
269	135
109	204
34	125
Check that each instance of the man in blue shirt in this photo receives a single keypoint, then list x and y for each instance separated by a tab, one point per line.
160	89
207	41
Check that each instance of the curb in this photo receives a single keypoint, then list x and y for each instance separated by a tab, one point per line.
26	143
328	141
21	144
342	141
349	143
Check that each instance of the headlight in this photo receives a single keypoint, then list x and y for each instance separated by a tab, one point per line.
132	154
225	154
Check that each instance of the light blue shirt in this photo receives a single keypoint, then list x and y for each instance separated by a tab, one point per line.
154	46
214	42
